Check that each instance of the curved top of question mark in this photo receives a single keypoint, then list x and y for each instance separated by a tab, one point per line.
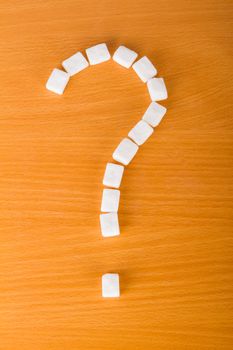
128	147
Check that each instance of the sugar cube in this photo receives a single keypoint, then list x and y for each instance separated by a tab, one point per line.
144	69
109	224
75	63
141	132
110	285
98	54
154	114
113	175
57	81
124	56
125	151
157	89
110	200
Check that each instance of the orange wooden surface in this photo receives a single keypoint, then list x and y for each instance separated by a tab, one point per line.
174	254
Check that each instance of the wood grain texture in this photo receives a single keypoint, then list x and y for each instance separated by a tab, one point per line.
174	255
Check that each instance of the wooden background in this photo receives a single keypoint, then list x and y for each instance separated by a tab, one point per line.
174	255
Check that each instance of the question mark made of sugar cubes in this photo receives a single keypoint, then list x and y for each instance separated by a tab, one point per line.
128	147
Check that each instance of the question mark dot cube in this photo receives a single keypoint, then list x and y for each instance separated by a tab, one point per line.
157	89
109	225
113	175
125	151
57	81
110	200
124	56
154	114
145	69
75	64
110	285
98	54
141	132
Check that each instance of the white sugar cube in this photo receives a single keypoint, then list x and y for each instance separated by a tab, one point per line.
154	114
141	132
124	56
125	151
113	175
75	63
98	54
144	69
109	224
110	200
57	81
110	285
157	89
